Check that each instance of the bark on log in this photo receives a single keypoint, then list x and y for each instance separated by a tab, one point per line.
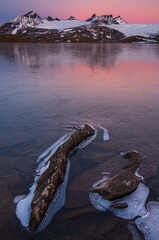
49	181
123	183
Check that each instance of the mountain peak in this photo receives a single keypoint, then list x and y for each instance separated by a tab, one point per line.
49	18
72	18
29	19
120	20
31	14
107	20
91	18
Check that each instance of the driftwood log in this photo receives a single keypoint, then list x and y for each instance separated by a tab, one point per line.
123	183
49	181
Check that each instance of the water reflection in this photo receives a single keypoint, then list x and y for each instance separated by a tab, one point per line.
103	55
31	55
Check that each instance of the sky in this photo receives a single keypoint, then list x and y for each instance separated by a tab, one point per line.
133	11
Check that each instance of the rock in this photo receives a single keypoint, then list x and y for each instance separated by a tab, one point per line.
49	18
91	18
123	183
50	181
72	18
119	205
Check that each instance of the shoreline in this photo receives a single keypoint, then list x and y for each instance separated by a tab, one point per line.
9	38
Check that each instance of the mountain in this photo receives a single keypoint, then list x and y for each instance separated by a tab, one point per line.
30	19
48	18
103	20
75	34
57	19
91	18
30	27
72	18
120	20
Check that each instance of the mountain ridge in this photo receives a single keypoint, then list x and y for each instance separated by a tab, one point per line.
105	28
32	19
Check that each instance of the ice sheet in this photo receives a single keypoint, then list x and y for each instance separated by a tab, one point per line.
149	224
136	202
105	134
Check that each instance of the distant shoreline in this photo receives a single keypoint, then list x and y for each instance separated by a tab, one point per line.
9	38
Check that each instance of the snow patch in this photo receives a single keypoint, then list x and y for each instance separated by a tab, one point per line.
14	31
60	25
144	30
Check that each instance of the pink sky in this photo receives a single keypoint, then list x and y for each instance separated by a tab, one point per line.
133	11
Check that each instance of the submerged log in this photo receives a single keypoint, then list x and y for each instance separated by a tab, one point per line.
123	183
50	180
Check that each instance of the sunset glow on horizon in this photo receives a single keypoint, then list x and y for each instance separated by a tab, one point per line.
143	11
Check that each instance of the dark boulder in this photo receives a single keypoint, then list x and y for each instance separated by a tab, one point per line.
123	183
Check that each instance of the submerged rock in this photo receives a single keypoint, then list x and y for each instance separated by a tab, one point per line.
49	182
123	183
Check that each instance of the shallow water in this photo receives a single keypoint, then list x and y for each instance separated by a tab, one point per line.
47	88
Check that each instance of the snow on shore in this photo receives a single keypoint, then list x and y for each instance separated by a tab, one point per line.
144	30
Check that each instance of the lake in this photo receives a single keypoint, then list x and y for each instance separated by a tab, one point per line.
45	89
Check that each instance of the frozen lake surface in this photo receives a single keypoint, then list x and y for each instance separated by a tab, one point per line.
45	89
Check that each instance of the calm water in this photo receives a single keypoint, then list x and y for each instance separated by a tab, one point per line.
46	88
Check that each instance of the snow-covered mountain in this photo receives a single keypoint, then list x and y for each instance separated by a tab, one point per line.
72	18
48	18
103	28
120	20
103	20
91	18
94	20
30	19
